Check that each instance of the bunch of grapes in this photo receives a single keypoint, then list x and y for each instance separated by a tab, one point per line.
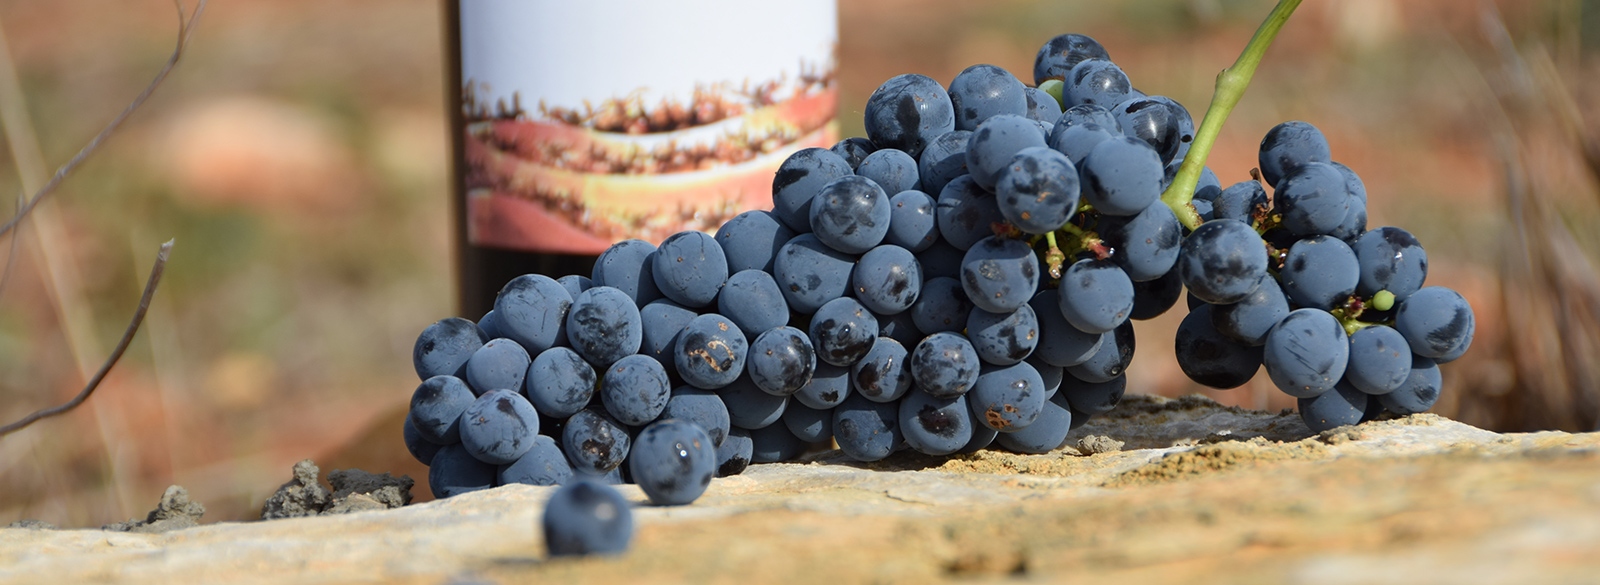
1337	314
964	277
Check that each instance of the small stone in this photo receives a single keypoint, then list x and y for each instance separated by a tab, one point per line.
31	524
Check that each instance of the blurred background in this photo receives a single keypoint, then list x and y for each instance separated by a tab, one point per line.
298	154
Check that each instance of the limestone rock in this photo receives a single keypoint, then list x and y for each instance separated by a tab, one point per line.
175	511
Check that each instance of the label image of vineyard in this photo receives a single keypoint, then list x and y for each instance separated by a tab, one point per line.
669	120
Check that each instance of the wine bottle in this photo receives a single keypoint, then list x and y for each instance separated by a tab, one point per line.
576	125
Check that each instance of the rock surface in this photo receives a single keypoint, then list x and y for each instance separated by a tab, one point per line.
1198	493
175	511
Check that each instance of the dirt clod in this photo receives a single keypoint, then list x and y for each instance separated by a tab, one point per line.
176	511
302	496
353	490
1095	444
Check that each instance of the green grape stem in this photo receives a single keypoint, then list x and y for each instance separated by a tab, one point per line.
1231	83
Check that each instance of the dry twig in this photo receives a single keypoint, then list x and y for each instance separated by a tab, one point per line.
186	24
116	354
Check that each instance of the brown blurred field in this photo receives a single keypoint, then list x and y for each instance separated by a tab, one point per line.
299	157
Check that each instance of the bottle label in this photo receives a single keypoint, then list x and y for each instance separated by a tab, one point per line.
588	123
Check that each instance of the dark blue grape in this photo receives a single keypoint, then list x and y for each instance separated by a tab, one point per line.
1208	187
1152	298
487	325
453	472
943	160
810	273
1121	176
887	279
866	430
966	213
842	331
594	442
774	444
1352	182
899	327
1354	224
1392	260
940	260
1344	406
1077	141
1000	274
635	389
445	346
828	387
799	179
1003	339
1091	398
499	427
1047	433
710	352
808	424
1097	81
1312	199
1038	191
575	283
1288	146
1095	295
1306	353
753	301
893	170
1157	123
994	142
884	373
422	449
661	321
1052	375
544	464
750	241
1146	244
781	361
689	268
1249	320
673	462
1042	107
907	112
1380	360
1320	272
1241	201
1058	56
733	455
1222	261
980	92
913	223
1007	398
436	408
750	407
500	364
945	365
1437	322
604	326
982	438
1060	344
701	407
850	214
1085	114
935	426
853	150
587	518
1420	390
1211	358
628	266
1111	360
